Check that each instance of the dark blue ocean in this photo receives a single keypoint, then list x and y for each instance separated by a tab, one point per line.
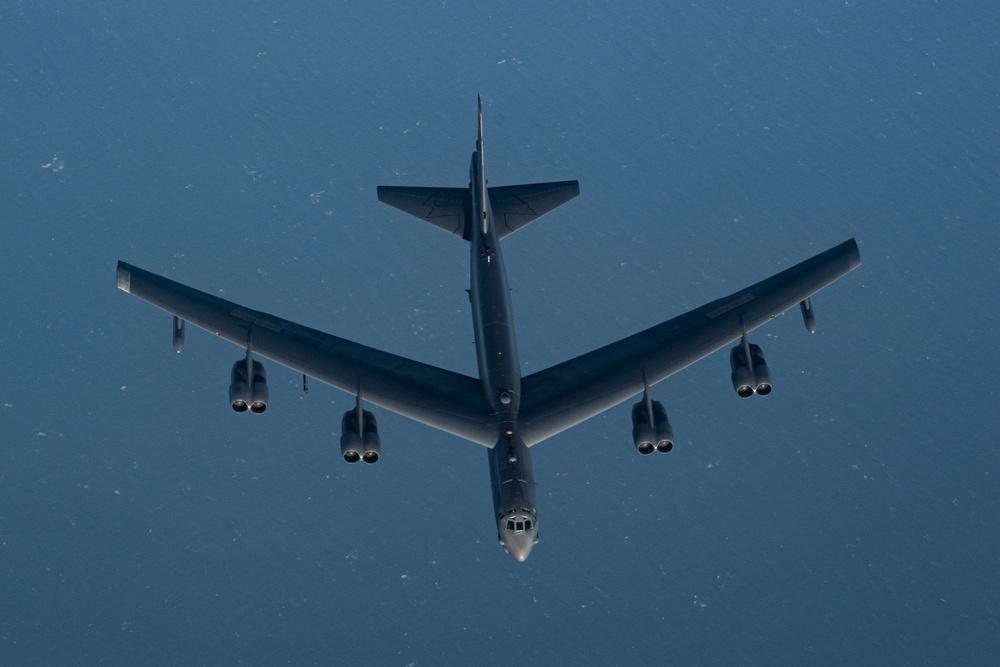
852	517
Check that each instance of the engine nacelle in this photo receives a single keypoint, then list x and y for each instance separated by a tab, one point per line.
643	433
664	431
371	439
749	380
742	377
350	439
761	373
356	447
658	435
249	394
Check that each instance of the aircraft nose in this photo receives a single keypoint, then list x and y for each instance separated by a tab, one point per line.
519	546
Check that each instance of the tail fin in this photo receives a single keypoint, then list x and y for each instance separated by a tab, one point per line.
479	139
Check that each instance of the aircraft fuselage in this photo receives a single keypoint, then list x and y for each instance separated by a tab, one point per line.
511	473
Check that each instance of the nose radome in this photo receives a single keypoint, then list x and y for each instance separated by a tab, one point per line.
519	546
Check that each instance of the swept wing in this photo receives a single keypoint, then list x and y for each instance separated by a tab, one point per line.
566	394
449	401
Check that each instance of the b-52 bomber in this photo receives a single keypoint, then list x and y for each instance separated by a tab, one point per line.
501	410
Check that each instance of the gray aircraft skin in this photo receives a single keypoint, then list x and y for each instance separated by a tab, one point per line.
500	410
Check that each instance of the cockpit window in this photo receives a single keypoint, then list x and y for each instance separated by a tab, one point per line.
519	522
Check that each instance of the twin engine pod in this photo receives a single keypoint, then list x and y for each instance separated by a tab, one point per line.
753	377
359	444
651	433
248	393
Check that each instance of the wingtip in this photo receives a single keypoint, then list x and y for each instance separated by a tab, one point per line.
854	254
124	276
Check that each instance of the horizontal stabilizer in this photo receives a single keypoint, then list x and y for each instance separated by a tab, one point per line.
515	206
443	207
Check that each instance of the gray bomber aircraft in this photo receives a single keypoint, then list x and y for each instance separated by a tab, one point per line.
500	410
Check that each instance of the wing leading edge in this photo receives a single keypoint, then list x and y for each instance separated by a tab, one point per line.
568	393
449	401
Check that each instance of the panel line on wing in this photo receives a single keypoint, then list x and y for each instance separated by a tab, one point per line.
254	318
735	303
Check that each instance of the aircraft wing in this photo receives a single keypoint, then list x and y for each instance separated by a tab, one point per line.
516	206
449	401
573	391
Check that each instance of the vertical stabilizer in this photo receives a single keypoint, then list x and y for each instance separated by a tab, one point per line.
479	136
481	176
